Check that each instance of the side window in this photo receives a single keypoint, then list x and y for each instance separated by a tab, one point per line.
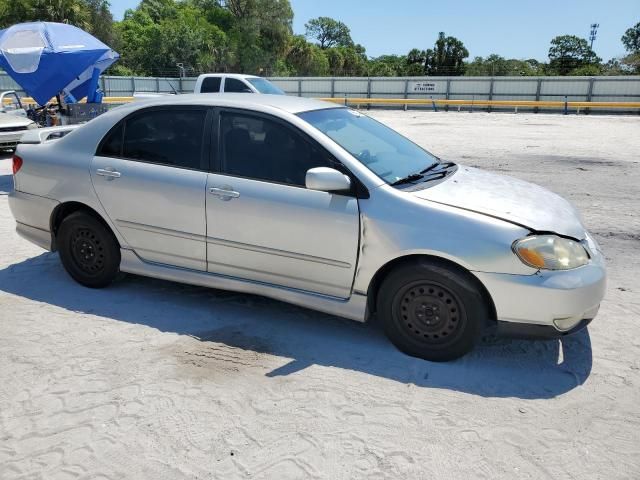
111	146
170	137
210	85
233	85
263	149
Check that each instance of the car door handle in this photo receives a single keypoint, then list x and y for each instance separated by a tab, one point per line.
224	193
108	172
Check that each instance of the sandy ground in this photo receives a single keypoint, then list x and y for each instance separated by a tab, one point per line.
154	380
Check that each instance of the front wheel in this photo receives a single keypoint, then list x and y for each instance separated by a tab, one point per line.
431	311
89	251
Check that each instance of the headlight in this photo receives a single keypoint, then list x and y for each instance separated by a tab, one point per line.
32	125
551	252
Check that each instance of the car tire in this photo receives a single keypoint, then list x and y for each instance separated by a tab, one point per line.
88	250
432	311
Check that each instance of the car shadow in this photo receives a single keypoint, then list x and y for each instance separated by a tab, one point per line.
6	178
6	184
496	368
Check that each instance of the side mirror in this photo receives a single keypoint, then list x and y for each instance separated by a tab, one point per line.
327	180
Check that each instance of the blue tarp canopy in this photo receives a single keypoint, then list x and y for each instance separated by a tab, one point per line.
46	58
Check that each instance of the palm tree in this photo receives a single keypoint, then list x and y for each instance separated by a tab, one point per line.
73	12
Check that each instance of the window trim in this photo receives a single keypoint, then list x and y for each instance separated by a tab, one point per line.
205	148
358	189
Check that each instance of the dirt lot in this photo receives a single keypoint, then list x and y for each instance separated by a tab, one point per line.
154	380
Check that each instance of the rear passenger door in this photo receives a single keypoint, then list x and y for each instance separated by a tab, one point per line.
150	174
263	224
210	85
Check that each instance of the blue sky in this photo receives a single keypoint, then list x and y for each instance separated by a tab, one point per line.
513	29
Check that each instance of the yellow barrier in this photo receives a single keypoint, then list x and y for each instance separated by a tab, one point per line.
439	102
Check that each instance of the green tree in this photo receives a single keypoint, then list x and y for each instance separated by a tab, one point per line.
396	65
101	21
631	39
73	12
415	62
446	58
631	42
336	61
355	60
15	11
329	32
158	10
305	58
569	53
93	16
495	65
260	35
380	69
178	35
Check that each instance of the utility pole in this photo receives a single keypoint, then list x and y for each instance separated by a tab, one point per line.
594	32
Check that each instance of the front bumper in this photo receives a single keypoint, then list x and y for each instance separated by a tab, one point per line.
540	332
11	139
558	300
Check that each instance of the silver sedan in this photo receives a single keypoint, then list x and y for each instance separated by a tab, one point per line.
312	204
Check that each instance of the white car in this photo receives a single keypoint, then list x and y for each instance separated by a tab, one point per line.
234	83
310	203
13	120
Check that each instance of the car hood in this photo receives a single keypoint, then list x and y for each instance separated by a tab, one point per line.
509	199
8	120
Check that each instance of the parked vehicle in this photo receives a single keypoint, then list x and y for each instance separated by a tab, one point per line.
313	204
10	103
13	120
234	83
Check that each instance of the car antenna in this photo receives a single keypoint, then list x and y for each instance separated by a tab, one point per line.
175	92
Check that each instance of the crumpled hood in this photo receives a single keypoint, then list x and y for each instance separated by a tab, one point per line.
9	120
507	198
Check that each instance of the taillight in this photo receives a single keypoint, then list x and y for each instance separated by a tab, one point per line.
17	164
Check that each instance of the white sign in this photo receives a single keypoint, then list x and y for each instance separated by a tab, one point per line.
422	87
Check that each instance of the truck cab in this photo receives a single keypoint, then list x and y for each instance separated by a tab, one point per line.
235	83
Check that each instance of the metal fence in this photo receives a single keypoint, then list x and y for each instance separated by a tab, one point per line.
604	89
580	89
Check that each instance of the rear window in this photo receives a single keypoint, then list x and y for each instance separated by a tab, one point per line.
172	136
210	85
112	144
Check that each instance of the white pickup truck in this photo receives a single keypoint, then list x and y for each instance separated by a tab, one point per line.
234	83
13	120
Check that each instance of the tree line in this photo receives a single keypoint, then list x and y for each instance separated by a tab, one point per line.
165	37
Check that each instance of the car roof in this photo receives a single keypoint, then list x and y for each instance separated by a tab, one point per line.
230	75
241	100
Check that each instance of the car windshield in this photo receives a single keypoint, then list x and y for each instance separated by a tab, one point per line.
384	151
265	86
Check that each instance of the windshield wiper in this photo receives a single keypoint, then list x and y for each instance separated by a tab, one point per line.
408	179
436	165
420	175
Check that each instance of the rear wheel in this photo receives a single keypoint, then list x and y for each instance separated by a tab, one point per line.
431	311
88	249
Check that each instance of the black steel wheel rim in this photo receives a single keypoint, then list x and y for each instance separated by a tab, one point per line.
87	251
429	313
